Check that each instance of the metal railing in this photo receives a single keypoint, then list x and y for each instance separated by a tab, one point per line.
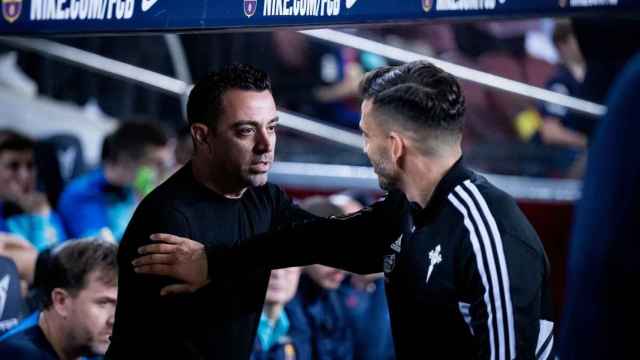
462	72
166	84
287	173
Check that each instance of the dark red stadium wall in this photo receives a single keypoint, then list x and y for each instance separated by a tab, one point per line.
553	221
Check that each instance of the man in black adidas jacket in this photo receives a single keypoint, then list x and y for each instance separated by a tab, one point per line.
468	279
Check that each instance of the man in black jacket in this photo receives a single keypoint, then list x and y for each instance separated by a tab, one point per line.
468	277
222	198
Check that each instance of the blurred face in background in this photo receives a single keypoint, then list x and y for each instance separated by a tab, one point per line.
283	284
145	173
17	173
326	277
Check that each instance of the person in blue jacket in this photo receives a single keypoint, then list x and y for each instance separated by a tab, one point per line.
101	202
24	211
281	335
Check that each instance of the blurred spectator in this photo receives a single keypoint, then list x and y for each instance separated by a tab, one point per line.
101	202
24	211
59	159
23	254
11	302
77	315
604	59
277	337
323	308
184	146
331	72
364	297
557	129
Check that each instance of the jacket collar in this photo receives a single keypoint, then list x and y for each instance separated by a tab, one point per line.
454	177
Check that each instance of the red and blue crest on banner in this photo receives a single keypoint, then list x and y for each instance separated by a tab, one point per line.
11	10
426	5
250	7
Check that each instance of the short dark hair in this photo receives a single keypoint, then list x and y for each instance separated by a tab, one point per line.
132	138
205	100
14	141
72	262
425	96
562	32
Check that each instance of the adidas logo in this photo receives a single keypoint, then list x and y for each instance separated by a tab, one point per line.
397	246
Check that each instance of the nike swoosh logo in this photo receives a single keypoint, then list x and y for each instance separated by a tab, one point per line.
350	3
147	4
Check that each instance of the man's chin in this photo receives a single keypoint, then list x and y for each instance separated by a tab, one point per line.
258	179
100	348
385	185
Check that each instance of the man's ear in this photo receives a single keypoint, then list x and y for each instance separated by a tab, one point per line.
199	134
398	146
61	301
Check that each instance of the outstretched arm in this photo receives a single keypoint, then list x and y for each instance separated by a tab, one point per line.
355	243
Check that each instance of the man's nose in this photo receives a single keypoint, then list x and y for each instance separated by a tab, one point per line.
264	142
24	173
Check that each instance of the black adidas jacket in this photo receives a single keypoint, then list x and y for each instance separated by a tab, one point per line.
467	278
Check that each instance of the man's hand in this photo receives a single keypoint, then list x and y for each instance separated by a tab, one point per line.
21	252
177	257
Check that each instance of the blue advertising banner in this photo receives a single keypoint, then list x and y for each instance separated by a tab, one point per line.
48	17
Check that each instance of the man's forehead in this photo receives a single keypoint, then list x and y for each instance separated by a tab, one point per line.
241	105
101	279
16	153
366	105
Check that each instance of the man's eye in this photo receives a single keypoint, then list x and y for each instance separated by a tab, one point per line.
245	131
272	128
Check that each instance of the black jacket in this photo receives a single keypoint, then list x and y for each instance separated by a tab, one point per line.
469	277
220	320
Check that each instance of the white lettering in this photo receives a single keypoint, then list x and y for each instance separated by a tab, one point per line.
286	8
36	10
120	9
94	9
323	7
128	10
278	10
112	4
51	10
84	9
464	5
312	8
59	10
303	7
590	3
74	8
104	9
